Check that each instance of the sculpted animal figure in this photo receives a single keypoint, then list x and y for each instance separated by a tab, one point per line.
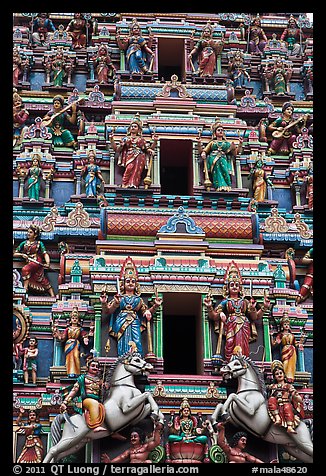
125	405
247	408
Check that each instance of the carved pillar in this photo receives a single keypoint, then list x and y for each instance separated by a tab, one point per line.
267	340
78	182
207	351
300	361
196	165
47	188
238	172
97	331
21	187
156	165
112	167
158	331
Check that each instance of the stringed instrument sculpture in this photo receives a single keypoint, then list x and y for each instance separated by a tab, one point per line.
278	134
47	122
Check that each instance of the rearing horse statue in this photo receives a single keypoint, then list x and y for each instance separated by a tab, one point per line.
247	408
125	405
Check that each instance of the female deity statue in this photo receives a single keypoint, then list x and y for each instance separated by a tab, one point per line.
34	252
207	51
236	313
306	288
259	180
16	66
184	428
104	67
279	75
34	178
235	450
291	37
20	116
33	450
138	50
73	337
237	70
30	354
285	130
128	310
77	30
58	65
133	153
43	29
58	120
257	37
310	187
285	338
285	405
217	156
92	174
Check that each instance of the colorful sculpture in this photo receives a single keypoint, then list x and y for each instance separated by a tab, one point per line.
285	130
285	405
104	67
17	66
73	337
58	120
279	75
20	116
257	37
139	448
237	70
77	30
34	178
292	37
128	310
43	29
206	49
125	405
217	157
33	449
287	341
139	56
30	355
248	408
259	180
186	443
307	287
133	153
33	251
93	176
235	451
235	313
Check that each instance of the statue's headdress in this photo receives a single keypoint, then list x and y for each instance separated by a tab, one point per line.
136	119
232	274
276	364
129	270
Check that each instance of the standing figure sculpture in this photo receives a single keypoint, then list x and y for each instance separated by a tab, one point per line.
279	76
285	338
217	157
20	116
292	37
139	56
58	67
93	175
58	120
306	288
235	451
310	187
33	450
16	66
257	37
237	70
34	252
30	354
285	405
285	131
128	310
73	337
43	29
133	153
235	313
259	180
77	30
206	49
34	178
104	67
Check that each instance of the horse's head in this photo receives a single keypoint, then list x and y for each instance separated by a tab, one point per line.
234	369
135	364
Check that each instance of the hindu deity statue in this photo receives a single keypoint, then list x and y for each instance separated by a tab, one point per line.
257	37
20	116
133	153
306	288
128	311
92	174
206	49
279	75
73	337
77	30
139	56
217	156
237	70
235	313
186	442
33	449
43	29
30	356
259	180
105	69
58	121
292	37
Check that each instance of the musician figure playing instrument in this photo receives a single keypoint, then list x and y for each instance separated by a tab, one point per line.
285	131
58	120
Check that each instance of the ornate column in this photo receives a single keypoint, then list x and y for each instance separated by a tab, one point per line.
207	351
158	331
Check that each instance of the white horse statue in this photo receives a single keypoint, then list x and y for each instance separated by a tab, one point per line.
125	405
248	409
